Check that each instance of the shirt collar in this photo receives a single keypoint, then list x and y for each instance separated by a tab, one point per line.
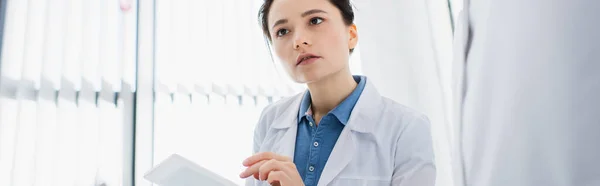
343	110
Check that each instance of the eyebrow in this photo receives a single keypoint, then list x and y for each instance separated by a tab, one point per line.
307	13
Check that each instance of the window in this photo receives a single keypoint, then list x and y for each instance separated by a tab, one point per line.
67	83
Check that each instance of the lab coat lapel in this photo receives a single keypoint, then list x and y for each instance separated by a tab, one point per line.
362	120
287	126
342	153
287	143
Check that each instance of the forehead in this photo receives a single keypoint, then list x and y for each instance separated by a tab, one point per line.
290	9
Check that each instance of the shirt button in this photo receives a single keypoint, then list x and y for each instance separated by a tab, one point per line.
310	123
316	144
311	168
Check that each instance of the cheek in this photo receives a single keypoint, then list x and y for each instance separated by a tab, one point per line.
335	43
278	49
282	52
334	39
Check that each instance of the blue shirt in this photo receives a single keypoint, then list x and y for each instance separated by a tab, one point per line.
314	144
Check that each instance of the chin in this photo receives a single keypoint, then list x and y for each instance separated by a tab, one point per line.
309	77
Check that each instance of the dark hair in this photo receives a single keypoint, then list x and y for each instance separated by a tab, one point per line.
344	6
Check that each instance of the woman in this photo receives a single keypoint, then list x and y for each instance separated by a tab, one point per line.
340	131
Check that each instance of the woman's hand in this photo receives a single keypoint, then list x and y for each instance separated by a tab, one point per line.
273	168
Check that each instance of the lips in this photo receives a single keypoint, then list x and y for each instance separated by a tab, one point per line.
306	56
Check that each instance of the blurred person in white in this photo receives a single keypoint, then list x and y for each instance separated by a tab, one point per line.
340	131
528	93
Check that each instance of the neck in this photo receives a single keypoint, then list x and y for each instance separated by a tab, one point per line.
330	91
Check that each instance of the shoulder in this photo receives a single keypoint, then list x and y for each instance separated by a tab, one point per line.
400	116
403	127
274	110
385	117
277	108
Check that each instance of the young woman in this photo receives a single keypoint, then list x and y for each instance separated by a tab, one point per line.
341	131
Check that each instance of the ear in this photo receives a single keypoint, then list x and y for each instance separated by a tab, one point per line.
353	36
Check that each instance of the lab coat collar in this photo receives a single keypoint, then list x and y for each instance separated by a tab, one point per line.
343	110
366	110
287	116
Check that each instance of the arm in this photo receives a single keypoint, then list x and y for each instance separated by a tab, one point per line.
250	181
257	141
414	161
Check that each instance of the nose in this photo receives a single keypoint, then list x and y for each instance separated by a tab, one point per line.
297	46
301	41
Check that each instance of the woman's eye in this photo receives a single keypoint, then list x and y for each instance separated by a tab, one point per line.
316	20
282	32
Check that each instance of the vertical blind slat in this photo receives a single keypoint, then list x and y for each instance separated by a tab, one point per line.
55	43
89	136
111	71
14	36
71	69
91	44
180	45
46	142
24	163
129	39
8	122
163	45
34	43
66	128
199	44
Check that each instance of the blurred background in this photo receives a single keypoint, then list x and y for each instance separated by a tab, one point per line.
97	92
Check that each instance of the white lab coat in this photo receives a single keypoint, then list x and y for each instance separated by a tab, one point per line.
384	143
528	93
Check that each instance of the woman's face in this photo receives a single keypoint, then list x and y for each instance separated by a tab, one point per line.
310	38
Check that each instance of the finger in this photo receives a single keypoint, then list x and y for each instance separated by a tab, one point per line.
279	178
263	156
257	158
252	170
289	167
266	168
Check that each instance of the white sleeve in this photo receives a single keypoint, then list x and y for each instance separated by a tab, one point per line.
259	135
251	181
